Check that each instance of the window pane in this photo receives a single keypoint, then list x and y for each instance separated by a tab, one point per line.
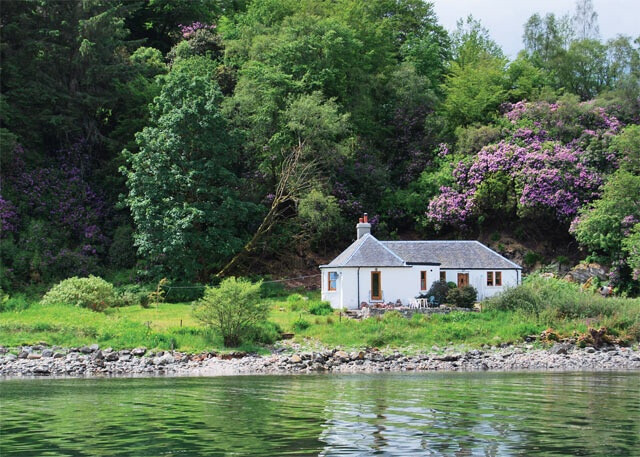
498	278
423	280
333	280
376	292
489	278
443	276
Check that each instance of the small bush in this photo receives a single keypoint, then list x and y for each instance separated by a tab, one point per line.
531	258
15	303
451	285
463	297
233	308
264	333
294	298
515	298
93	292
439	290
322	308
301	324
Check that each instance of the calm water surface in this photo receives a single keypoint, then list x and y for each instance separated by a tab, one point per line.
454	414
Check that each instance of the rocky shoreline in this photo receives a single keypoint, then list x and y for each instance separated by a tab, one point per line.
92	361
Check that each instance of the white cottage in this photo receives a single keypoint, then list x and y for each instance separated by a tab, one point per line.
372	271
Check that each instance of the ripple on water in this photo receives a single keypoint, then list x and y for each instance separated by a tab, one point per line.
456	414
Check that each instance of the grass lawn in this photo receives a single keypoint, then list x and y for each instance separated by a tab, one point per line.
173	326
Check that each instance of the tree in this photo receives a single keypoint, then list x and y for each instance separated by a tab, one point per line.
585	21
183	192
233	308
602	226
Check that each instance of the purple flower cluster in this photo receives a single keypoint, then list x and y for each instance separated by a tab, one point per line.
188	30
8	217
542	171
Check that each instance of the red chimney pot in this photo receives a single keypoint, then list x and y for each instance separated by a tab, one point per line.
366	218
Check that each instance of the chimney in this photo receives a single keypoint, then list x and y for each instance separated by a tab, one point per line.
363	226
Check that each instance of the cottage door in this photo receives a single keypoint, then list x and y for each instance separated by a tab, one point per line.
463	279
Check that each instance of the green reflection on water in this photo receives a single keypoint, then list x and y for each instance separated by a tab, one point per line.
455	414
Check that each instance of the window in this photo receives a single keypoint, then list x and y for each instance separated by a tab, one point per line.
376	286
332	280
463	279
423	280
443	276
494	278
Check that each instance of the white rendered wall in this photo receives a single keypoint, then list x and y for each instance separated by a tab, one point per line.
478	279
397	283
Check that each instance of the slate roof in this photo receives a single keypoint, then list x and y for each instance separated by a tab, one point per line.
369	252
450	254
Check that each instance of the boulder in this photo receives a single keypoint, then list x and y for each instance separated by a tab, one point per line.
3	350
86	350
559	348
582	272
164	359
47	353
139	352
58	355
112	357
33	356
94	347
10	357
295	358
341	355
98	355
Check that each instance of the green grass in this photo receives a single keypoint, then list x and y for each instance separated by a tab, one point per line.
173	326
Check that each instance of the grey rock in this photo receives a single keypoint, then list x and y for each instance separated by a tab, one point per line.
47	353
58	355
559	348
125	357
111	357
3	350
164	359
94	347
98	355
85	350
590	350
138	352
10	357
42	370
34	356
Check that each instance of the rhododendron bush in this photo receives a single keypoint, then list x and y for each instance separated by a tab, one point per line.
551	161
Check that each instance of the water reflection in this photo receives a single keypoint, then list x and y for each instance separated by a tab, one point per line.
458	414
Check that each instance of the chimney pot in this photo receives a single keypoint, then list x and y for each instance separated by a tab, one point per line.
361	220
366	217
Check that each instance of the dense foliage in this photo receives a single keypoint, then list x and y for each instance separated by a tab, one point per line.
233	308
93	293
266	127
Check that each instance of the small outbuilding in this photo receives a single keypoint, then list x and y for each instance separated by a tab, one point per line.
372	271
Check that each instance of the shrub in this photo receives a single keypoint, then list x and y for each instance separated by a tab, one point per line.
515	298
463	297
531	258
439	290
14	303
233	308
93	292
301	324
322	308
266	332
272	290
294	298
451	285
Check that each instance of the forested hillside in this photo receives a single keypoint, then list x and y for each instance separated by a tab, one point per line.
180	138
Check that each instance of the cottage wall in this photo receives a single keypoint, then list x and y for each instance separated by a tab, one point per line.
478	279
401	283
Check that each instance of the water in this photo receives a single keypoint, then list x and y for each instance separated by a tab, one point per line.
453	414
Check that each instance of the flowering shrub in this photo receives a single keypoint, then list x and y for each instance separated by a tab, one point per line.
533	168
93	292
